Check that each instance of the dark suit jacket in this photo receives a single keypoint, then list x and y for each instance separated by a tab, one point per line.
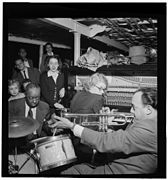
43	63
86	102
132	151
34	75
17	108
48	88
30	63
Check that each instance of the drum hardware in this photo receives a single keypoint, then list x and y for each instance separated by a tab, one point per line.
26	164
18	127
21	126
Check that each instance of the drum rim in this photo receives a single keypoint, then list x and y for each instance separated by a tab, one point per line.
43	140
60	163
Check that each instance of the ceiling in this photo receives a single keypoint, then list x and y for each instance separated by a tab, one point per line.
127	31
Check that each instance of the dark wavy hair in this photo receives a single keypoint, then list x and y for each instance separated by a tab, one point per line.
149	96
55	57
48	43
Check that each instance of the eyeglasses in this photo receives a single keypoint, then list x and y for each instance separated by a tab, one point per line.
33	98
101	88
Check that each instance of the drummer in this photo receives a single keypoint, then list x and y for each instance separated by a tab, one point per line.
31	107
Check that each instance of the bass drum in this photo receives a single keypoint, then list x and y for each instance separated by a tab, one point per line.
22	164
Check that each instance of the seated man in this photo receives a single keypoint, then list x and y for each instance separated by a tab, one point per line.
23	72
32	107
133	150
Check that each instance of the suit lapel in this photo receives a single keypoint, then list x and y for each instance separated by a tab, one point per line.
21	77
51	81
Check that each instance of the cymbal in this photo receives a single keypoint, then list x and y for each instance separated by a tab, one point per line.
20	126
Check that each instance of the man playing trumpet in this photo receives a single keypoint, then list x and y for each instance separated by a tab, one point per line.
134	150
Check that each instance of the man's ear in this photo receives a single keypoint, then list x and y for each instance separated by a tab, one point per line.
148	109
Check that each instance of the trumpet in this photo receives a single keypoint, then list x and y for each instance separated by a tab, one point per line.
104	121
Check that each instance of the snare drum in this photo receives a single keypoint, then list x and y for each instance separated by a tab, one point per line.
24	163
54	151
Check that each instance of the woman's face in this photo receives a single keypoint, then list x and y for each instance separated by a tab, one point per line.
48	48
53	64
14	89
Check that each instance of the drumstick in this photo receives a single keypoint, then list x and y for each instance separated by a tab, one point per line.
54	131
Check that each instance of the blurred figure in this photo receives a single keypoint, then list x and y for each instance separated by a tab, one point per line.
25	83
89	100
48	52
14	90
23	55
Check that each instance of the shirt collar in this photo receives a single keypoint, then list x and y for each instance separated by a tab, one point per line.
50	73
50	54
25	69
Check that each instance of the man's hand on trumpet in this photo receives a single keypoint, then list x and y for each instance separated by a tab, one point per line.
60	122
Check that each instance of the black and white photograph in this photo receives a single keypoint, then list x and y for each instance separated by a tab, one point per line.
81	84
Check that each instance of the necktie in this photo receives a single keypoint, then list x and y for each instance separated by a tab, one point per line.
31	136
25	74
30	113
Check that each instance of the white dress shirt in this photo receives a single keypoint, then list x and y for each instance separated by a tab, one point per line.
50	54
26	71
77	130
53	74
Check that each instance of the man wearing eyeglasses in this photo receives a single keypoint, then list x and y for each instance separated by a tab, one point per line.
31	107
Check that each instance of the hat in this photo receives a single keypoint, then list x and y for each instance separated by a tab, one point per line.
137	51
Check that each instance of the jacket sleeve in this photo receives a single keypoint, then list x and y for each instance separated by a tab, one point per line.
44	89
134	140
11	110
97	106
42	65
37	73
46	131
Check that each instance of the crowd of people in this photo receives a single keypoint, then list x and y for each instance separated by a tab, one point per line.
39	93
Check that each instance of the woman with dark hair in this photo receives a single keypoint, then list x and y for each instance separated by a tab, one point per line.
48	52
52	82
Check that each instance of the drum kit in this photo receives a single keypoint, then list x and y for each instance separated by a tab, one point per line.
45	154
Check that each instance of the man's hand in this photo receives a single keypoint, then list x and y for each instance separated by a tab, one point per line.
60	122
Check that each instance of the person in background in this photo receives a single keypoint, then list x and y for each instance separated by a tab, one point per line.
89	101
31	107
133	150
25	83
48	52
14	90
22	72
23	55
52	83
